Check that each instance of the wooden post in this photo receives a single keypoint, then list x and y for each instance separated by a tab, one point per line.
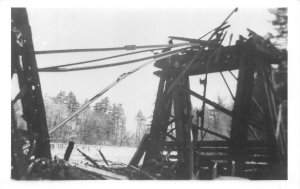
153	150
69	151
32	101
103	157
182	110
239	126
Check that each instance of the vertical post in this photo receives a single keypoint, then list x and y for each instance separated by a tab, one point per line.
272	119
32	101
166	110
69	151
153	149
182	110
239	126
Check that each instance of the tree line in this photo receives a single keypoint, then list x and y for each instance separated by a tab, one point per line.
103	123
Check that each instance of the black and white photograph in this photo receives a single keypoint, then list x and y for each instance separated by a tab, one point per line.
185	93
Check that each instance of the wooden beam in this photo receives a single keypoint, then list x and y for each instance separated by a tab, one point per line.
226	62
32	100
69	151
89	158
190	40
144	144
183	125
224	110
99	172
153	150
103	157
239	125
143	172
215	134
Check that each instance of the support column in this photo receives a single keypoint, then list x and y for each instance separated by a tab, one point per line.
239	126
154	137
183	125
32	100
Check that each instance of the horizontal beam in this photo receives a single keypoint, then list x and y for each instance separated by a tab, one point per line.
227	61
226	156
190	40
214	133
223	144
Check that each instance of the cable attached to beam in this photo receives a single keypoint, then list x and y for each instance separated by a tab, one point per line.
99	59
119	79
58	69
127	47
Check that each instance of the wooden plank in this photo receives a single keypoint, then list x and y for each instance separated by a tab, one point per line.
228	157
222	143
103	173
226	149
103	157
248	165
89	158
143	173
190	40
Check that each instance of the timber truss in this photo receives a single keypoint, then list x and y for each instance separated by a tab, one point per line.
176	147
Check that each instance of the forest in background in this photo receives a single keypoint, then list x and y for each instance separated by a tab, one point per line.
104	123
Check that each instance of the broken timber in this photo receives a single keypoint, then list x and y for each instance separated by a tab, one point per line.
244	56
173	149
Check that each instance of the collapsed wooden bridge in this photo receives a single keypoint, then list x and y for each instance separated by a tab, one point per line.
176	147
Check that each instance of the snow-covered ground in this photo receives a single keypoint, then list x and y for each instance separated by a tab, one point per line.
113	153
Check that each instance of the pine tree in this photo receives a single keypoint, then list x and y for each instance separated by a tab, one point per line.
280	24
103	106
117	123
72	102
141	126
60	97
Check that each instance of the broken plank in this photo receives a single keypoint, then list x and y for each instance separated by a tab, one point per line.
103	157
89	158
102	173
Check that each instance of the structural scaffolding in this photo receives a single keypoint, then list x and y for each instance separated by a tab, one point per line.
176	147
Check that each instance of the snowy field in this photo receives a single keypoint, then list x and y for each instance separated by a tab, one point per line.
112	153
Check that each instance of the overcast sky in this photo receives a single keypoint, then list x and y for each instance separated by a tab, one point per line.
96	28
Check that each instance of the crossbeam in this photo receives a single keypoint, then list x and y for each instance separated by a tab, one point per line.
224	110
